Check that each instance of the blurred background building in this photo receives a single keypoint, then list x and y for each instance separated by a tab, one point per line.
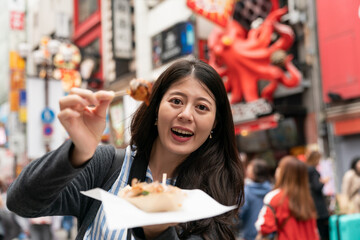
49	46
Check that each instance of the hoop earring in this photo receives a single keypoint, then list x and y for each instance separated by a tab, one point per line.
156	121
211	132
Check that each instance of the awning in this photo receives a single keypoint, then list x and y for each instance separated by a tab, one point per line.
345	118
262	123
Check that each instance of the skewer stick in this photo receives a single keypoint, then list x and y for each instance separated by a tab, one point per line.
164	179
120	93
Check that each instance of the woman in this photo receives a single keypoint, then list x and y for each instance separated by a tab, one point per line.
257	185
186	131
289	209
316	187
350	188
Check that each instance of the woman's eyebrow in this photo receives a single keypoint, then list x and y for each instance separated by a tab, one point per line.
184	95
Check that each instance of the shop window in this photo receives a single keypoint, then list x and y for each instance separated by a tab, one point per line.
285	135
87	8
92	51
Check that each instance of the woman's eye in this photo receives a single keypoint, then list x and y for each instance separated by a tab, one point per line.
176	101
203	108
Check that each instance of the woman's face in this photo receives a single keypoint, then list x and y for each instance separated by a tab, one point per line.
357	166
250	171
277	173
186	116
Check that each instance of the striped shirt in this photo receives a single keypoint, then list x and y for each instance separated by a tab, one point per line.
98	228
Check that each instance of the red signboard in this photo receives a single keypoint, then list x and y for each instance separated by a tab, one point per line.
347	127
339	35
259	124
216	11
17	20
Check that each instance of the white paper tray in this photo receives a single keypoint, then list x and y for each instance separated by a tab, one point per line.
122	214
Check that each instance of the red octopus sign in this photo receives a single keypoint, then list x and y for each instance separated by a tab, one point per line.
247	57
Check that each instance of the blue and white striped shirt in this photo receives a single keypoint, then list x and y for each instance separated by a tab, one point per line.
98	229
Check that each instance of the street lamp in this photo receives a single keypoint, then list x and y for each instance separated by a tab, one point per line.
24	50
57	60
43	58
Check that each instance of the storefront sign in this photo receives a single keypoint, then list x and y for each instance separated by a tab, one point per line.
173	43
22	106
17	14
17	20
216	11
203	50
263	123
243	112
122	38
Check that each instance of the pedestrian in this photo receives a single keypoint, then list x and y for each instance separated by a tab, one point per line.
40	228
67	223
289	209
316	187
186	131
9	226
350	188
257	185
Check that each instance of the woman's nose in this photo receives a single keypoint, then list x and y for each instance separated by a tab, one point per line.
186	114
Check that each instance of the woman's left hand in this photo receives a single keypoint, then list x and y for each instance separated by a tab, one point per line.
152	231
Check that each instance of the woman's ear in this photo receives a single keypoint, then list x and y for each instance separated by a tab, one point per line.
214	125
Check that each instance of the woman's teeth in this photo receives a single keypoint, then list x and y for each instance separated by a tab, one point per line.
181	132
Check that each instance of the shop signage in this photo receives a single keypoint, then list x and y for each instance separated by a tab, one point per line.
243	112
216	11
203	50
122	36
17	20
263	123
173	43
22	106
17	14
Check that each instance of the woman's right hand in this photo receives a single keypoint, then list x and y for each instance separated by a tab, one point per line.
83	115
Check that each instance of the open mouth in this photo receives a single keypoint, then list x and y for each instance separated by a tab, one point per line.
182	133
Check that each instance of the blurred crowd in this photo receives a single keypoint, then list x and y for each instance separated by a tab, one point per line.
42	228
292	202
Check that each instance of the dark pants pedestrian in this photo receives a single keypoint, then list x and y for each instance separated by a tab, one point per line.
41	232
323	226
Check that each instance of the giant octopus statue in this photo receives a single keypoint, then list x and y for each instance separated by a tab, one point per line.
247	57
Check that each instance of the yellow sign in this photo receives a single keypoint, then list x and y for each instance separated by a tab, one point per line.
22	114
16	61
14	100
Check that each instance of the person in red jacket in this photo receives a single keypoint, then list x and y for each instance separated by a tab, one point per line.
289	209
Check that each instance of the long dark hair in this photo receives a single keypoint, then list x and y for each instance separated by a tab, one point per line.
293	180
215	166
354	161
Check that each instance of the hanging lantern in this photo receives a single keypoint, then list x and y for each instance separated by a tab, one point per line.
68	57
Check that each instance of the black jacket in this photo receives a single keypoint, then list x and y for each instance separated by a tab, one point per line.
316	191
51	186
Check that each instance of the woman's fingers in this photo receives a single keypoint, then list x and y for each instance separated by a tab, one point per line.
81	98
104	95
73	101
86	94
104	98
85	101
68	113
